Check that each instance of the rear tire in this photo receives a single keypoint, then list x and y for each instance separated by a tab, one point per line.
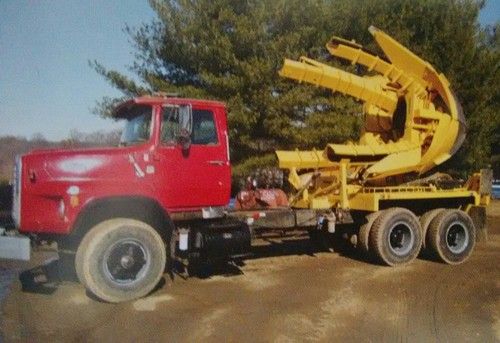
425	221
121	259
364	232
452	236
396	237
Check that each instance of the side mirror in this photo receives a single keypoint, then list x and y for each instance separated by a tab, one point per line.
185	126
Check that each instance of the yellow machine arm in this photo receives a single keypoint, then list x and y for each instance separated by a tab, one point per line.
413	121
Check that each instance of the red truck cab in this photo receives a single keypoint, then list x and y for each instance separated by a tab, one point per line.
173	155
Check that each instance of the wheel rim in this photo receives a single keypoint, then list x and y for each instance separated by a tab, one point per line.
400	239
126	262
457	238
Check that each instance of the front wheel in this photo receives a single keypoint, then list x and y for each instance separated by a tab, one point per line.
121	259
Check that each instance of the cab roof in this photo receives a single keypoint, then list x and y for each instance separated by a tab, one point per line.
161	100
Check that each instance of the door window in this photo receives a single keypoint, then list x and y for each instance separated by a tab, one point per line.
204	131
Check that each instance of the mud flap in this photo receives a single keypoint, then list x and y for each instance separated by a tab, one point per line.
478	216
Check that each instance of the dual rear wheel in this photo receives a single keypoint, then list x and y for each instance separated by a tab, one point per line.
451	236
395	236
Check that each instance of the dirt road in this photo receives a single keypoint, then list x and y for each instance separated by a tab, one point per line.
296	294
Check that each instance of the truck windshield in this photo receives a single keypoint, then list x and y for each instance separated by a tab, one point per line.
137	127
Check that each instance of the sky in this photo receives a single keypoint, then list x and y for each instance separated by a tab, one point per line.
46	84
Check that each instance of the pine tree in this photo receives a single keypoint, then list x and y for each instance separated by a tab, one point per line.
231	51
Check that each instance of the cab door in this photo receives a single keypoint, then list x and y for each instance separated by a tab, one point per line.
199	175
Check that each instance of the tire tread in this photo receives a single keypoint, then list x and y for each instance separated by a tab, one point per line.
377	240
434	235
89	244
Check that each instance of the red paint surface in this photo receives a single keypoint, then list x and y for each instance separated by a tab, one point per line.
179	181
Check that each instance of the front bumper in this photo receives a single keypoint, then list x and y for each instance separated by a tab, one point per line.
15	248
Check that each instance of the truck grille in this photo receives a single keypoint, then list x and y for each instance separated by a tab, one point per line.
16	192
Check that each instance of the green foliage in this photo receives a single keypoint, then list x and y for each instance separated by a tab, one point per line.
244	169
231	51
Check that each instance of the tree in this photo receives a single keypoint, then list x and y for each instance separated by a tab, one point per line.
231	51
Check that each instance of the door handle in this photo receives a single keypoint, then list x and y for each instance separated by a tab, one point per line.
217	162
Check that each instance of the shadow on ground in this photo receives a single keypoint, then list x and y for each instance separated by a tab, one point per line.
275	245
46	278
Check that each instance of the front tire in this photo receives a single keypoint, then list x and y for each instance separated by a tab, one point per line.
396	237
452	236
121	259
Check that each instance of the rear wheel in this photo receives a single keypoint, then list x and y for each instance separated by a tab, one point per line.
364	232
452	236
396	237
425	221
121	259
